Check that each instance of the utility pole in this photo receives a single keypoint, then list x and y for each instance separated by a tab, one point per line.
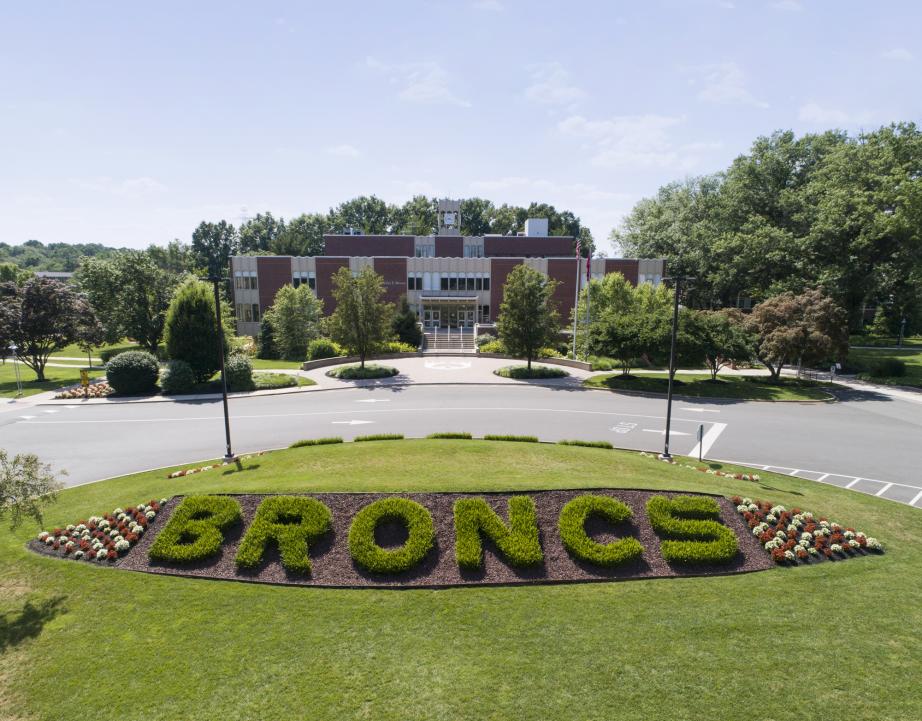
216	280
677	291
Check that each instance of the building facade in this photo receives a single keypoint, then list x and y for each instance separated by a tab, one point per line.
450	280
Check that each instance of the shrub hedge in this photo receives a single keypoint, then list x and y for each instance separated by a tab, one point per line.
517	439
133	373
523	372
587	444
887	368
177	377
451	434
691	533
316	442
572	527
379	437
194	531
370	556
323	348
357	373
239	372
519	541
293	523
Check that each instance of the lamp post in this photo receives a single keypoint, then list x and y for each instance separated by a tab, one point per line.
14	348
677	291
902	332
216	280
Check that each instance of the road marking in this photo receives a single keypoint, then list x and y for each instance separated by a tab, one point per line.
883	490
699	410
70	408
852	483
663	432
26	418
713	433
350	423
823	477
50	411
915	500
623	427
794	472
447	365
374	400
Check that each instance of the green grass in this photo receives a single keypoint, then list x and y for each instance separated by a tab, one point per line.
700	385
865	340
526	373
262	364
842	638
73	351
261	381
860	358
55	378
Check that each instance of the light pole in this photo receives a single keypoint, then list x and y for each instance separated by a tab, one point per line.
677	291
13	349
902	331
216	280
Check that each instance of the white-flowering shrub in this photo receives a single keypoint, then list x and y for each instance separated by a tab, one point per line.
874	544
101	554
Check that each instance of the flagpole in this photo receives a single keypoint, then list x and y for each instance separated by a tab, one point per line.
579	275
588	299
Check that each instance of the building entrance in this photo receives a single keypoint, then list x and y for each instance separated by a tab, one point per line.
449	316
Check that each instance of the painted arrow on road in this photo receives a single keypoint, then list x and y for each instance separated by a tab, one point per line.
663	433
351	423
700	410
374	400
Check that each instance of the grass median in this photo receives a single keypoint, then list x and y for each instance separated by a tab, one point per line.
700	385
78	639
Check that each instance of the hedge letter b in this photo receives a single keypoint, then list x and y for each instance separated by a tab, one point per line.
194	530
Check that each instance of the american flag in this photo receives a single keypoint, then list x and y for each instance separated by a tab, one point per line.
588	268
578	247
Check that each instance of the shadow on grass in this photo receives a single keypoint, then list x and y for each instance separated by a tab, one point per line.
29	621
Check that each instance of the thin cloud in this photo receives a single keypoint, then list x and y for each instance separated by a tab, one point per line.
489	5
423	82
344	151
900	54
627	140
788	6
723	84
817	114
551	85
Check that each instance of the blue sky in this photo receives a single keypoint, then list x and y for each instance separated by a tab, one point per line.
128	123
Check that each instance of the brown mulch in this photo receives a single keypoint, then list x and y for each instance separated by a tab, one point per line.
333	566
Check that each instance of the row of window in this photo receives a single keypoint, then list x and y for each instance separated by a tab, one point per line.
470	251
448	281
245	279
248	312
304	276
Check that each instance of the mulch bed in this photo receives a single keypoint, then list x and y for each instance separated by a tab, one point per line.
333	566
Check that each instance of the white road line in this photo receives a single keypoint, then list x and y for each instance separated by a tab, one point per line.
663	432
373	400
713	433
883	490
851	483
823	477
26	418
916	499
351	423
50	411
699	410
794	472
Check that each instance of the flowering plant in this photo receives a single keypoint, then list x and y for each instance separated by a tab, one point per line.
201	469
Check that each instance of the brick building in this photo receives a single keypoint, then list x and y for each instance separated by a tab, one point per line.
450	280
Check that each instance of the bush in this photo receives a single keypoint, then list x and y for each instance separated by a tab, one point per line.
190	331
268	381
587	444
242	345
323	348
239	372
887	368
396	346
133	373
194	531
524	373
265	346
110	353
484	338
177	377
379	437
370	556
357	373
519	541
516	439
692	535
293	523
459	436
572	527
316	442
493	346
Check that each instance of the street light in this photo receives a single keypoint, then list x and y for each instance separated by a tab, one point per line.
13	349
678	280
216	280
902	331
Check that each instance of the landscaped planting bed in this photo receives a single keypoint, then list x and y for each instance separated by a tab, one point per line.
403	554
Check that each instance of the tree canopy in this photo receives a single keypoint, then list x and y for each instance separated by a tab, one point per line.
528	319
362	320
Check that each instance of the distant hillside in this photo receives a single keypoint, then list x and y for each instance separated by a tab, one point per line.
36	256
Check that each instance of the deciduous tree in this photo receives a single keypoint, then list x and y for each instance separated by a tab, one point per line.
26	486
362	319
528	319
295	321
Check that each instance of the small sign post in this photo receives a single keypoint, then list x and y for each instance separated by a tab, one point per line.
700	440
85	382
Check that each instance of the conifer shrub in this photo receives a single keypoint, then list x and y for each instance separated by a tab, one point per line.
572	527
177	377
293	523
370	556
690	530
519	540
133	373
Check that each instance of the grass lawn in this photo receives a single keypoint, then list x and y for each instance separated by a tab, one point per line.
864	340
912	357
261	364
700	385
838	638
54	378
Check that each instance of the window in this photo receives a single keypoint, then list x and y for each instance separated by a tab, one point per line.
415	281
486	286
473	251
304	276
255	312
483	314
245	280
247	312
425	251
444	283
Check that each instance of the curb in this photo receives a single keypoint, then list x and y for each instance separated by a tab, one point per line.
651	394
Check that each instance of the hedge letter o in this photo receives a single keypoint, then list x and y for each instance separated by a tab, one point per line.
370	556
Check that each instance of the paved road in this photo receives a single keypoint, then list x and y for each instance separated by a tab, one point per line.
864	437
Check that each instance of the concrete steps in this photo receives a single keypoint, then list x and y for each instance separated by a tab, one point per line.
449	341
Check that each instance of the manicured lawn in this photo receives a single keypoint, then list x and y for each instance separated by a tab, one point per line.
836	640
861	358
863	340
264	364
700	385
54	378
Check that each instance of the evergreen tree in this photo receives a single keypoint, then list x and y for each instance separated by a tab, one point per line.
191	331
405	324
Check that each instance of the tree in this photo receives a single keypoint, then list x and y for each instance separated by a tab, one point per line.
362	320
130	294
724	338
365	213
41	317
880	326
625	336
528	319
266	345
174	257
295	321
804	328
258	234
405	324
415	217
213	244
90	333
476	214
12	273
301	236
26	485
190	330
